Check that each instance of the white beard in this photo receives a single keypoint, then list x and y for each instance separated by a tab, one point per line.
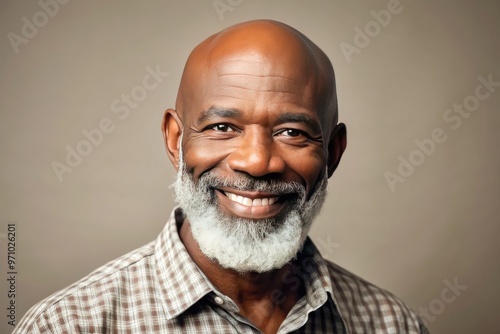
247	245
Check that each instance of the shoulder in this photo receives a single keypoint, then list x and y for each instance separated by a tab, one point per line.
91	298
365	305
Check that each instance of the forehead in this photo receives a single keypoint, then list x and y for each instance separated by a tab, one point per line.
259	75
253	82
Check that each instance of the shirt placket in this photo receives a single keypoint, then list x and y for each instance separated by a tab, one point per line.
228	310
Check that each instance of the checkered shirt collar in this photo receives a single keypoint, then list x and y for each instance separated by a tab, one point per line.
180	280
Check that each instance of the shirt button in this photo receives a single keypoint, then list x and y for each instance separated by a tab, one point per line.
219	300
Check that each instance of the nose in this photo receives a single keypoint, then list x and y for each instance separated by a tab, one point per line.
256	154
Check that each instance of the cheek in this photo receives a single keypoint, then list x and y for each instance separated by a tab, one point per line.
201	156
309	166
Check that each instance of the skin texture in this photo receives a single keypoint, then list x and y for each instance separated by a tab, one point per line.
257	98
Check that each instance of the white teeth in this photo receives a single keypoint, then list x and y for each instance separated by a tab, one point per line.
249	202
257	202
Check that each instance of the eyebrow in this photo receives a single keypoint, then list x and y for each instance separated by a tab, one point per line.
218	112
300	118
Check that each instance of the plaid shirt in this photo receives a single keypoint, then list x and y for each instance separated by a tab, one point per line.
159	289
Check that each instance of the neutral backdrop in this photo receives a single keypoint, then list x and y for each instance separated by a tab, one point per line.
436	225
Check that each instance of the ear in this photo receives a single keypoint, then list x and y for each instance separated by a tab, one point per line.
336	147
172	131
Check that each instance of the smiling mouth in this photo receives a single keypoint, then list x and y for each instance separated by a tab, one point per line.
264	201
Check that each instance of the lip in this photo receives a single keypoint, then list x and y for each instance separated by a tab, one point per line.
244	210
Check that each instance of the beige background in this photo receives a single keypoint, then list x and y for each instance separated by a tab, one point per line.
440	224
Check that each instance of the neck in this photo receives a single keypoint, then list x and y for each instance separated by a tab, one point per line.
264	298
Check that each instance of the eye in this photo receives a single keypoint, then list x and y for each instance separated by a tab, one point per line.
296	137
292	133
222	128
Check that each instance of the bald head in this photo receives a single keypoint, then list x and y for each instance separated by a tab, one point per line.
252	99
277	49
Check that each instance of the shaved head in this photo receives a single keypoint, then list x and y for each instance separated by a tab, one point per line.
279	49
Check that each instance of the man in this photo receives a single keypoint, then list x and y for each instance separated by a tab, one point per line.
254	138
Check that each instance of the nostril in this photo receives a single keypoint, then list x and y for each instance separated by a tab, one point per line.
256	163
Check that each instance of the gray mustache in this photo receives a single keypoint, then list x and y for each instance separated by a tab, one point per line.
248	183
